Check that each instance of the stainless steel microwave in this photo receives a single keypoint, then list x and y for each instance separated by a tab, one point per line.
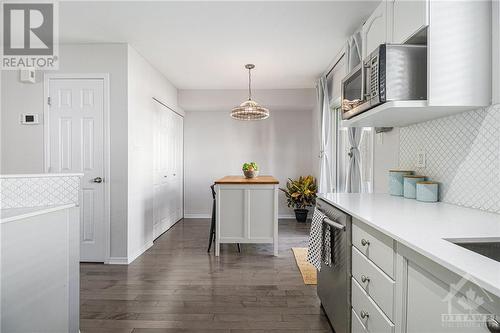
392	72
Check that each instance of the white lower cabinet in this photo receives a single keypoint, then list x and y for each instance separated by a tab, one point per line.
374	281
246	214
395	289
356	324
372	318
437	300
40	284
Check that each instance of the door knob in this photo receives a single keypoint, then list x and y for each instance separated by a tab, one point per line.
97	180
364	314
364	242
365	278
493	325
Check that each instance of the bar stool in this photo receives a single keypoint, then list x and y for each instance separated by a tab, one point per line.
211	238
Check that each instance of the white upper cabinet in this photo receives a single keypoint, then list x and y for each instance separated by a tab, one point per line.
409	17
459	53
460	56
374	30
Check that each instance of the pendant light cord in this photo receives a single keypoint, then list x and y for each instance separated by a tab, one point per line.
249	85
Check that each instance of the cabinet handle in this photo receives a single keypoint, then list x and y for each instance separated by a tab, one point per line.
97	180
365	242
365	278
364	314
493	325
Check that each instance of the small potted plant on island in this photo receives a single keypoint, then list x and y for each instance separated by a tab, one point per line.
300	194
250	170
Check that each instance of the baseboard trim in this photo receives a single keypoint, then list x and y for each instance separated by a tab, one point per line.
197	216
139	252
286	216
128	260
117	261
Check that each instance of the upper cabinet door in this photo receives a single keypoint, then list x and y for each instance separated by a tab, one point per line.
409	18
374	30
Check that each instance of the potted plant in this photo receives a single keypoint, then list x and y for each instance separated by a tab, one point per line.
300	193
250	170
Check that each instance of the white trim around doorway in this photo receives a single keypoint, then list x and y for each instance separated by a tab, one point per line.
107	161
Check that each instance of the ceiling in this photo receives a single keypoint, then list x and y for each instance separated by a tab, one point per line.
204	45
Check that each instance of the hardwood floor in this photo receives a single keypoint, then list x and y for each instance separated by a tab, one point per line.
176	286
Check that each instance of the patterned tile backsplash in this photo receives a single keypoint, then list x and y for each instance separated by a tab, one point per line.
462	153
18	192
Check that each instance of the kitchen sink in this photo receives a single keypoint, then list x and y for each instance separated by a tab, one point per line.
490	249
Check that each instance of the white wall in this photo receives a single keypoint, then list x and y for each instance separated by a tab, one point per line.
144	83
22	146
216	145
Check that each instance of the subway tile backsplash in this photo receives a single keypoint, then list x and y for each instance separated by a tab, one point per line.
462	153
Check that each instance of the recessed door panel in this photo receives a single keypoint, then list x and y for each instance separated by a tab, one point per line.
232	213
76	145
261	213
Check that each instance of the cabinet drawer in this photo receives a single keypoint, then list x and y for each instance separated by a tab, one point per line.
376	246
376	283
356	324
375	320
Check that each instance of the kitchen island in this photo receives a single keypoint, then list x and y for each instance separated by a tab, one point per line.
246	211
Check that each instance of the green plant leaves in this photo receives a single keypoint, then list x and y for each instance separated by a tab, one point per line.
250	166
301	192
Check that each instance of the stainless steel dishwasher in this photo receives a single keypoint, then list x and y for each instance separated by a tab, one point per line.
334	282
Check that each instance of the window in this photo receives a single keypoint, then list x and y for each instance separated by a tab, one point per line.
341	143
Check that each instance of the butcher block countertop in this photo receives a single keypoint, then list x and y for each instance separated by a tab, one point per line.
247	181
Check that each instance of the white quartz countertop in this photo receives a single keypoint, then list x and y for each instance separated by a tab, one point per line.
14	214
424	227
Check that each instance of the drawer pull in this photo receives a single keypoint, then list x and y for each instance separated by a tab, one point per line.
365	242
493	325
365	278
364	314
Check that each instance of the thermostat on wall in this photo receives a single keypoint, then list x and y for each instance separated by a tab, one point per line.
29	119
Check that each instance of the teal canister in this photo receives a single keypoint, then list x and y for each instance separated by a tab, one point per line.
396	181
410	185
427	191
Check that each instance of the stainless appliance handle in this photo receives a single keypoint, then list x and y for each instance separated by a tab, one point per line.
334	224
362	97
365	79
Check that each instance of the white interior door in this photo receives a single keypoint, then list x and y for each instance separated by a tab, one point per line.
76	144
168	166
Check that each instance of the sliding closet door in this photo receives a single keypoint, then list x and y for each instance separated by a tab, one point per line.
177	175
167	207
